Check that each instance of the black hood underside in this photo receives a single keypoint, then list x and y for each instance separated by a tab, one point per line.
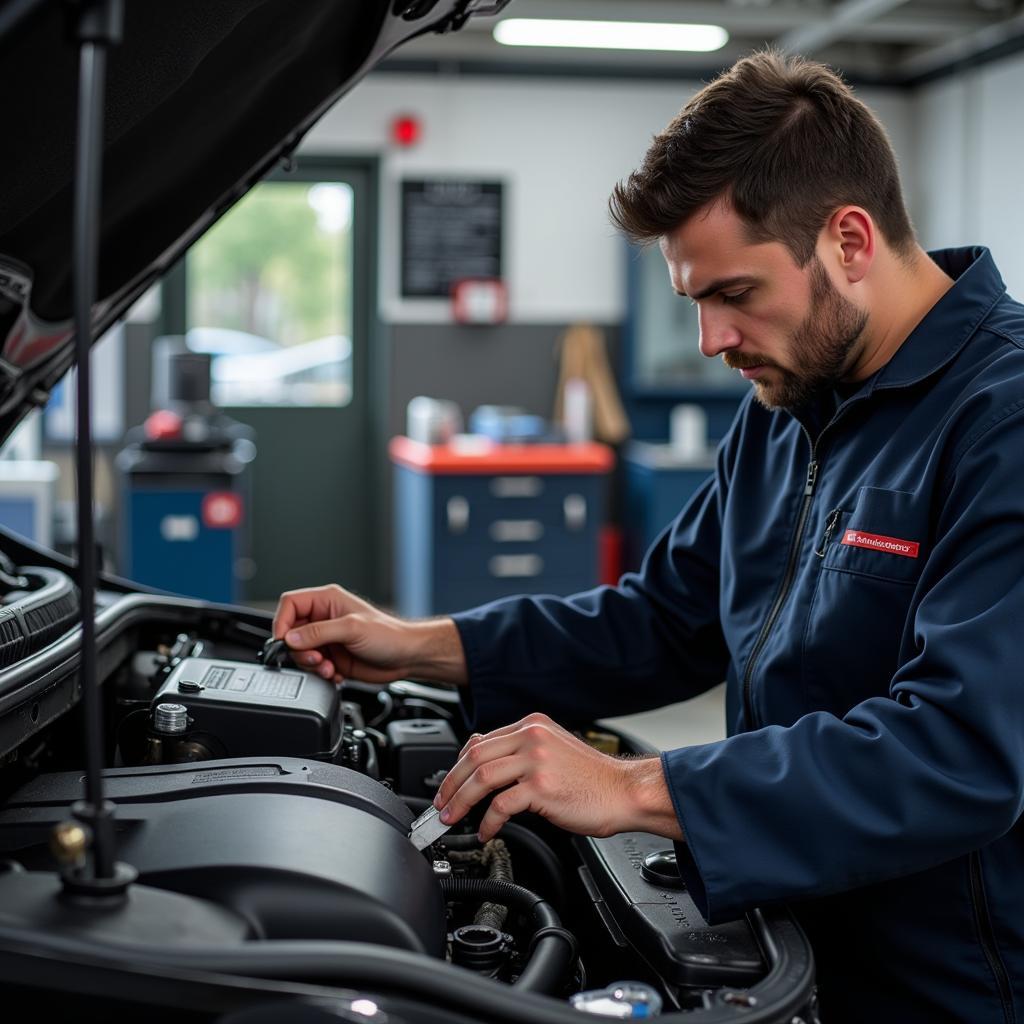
203	98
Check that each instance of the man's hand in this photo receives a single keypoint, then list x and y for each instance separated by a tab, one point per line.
341	636
541	767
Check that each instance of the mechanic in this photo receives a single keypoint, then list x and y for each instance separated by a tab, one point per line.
854	568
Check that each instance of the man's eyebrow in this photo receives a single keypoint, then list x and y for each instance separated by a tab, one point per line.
718	286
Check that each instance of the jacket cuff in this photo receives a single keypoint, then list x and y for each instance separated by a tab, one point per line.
694	856
484	702
685	860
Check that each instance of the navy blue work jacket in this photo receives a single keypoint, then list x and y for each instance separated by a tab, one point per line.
856	574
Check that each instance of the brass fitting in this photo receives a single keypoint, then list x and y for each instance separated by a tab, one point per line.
69	841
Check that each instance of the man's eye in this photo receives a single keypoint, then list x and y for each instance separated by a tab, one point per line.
735	298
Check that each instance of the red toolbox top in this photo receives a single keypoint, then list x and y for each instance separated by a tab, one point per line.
488	456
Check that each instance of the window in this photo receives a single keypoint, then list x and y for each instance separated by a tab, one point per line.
270	297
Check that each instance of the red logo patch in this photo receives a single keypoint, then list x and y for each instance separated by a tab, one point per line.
876	542
222	510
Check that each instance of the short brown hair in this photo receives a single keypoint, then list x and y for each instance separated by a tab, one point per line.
785	141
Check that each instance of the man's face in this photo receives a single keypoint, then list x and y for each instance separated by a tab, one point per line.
786	328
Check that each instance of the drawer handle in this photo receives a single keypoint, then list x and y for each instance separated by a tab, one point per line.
515	566
575	509
508	531
517	486
458	514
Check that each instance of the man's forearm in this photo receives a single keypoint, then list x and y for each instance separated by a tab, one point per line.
438	655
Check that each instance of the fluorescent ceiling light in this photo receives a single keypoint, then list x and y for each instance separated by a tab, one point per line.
610	35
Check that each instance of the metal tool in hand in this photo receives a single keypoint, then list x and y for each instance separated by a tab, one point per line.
427	829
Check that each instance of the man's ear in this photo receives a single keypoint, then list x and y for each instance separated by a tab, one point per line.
850	238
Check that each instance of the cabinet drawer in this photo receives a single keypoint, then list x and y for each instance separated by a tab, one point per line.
463	508
558	555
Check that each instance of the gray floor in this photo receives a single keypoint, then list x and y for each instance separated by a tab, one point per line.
701	720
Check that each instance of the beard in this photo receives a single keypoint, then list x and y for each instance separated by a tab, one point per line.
822	343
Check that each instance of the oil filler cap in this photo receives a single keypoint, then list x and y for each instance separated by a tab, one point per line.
661	869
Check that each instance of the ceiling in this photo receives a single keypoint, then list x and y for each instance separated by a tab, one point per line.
890	41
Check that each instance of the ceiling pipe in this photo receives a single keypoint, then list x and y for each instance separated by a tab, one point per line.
945	55
846	17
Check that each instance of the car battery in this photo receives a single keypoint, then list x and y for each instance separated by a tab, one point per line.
245	710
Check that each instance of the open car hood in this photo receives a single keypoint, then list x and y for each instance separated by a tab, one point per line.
204	97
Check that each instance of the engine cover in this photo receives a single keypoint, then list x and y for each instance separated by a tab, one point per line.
301	849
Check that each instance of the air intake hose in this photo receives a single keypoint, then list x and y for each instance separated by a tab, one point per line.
552	951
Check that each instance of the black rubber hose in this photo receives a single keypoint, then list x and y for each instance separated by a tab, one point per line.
782	994
553	956
510	832
515	834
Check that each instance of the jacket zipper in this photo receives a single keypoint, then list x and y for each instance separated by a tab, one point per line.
987	937
787	582
830	525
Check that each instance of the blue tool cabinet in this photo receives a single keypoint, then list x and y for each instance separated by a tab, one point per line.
512	519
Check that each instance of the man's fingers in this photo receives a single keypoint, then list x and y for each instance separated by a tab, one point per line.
503	806
537	718
293	608
485	749
313	603
474	739
319	634
488	777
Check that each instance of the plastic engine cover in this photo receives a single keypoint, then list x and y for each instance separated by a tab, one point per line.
252	709
303	850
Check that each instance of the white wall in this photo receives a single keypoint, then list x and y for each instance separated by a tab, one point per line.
970	164
559	145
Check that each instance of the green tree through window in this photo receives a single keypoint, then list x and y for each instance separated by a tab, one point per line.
277	269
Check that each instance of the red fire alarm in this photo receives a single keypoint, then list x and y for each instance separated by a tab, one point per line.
479	300
406	130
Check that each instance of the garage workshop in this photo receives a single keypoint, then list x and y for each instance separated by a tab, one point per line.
510	511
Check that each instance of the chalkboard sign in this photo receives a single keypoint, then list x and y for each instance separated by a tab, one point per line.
450	230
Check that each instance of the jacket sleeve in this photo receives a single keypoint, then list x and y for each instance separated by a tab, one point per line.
652	640
900	783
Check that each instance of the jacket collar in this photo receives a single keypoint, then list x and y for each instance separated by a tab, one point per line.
946	327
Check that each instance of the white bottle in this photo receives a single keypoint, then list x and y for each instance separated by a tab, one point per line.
688	432
577	414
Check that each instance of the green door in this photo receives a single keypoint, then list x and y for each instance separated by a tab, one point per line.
281	291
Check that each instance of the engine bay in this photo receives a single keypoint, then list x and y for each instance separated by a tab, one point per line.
266	812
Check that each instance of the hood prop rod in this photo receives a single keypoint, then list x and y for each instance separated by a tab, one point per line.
98	26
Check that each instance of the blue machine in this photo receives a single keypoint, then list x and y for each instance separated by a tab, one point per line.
185	526
185	492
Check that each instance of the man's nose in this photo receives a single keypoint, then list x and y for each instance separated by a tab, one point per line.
717	332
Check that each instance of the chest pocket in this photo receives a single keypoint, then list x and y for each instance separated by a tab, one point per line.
882	536
871	560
